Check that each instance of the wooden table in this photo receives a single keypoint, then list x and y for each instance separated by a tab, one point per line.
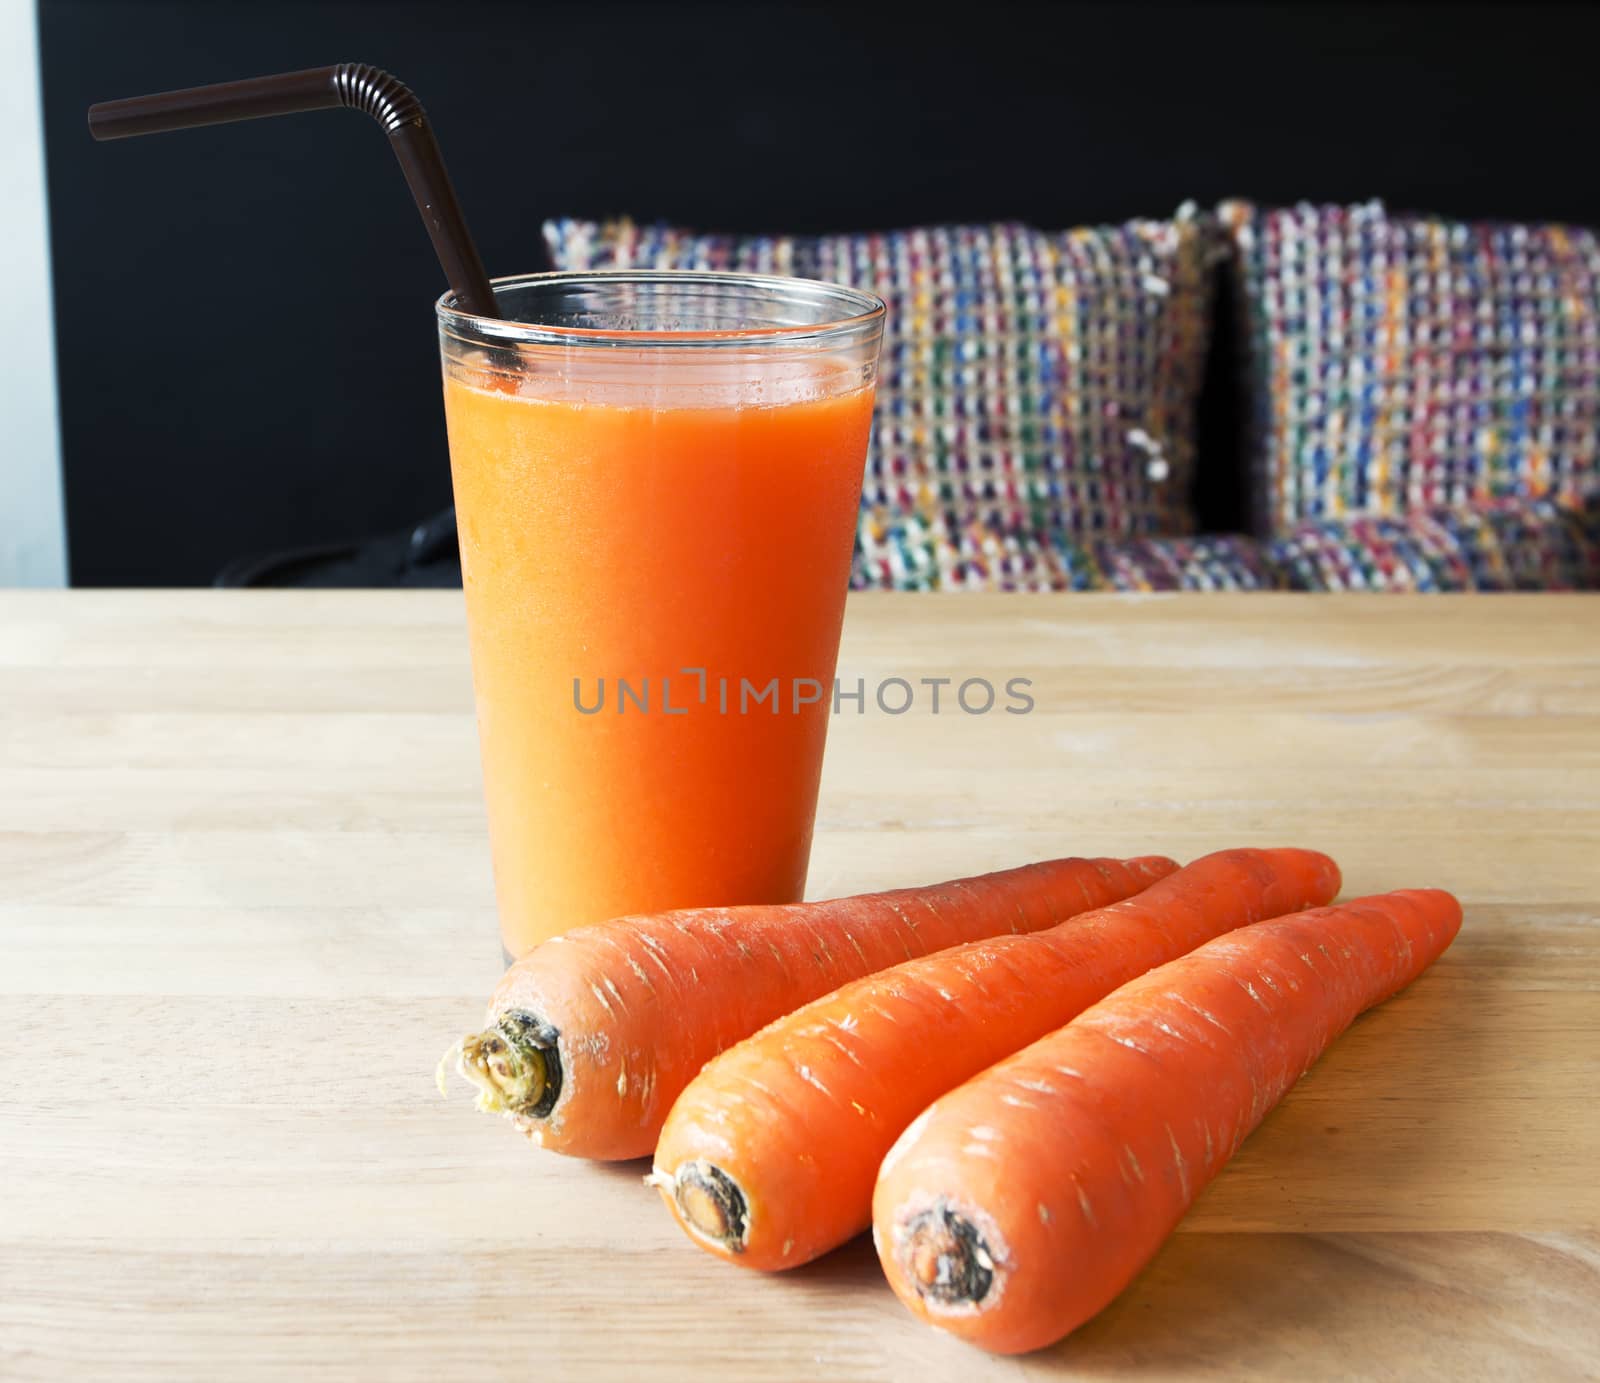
245	903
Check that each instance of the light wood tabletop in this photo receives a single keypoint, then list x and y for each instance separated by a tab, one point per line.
245	905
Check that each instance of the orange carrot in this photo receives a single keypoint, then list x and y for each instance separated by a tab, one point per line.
591	1036
1017	1206
769	1155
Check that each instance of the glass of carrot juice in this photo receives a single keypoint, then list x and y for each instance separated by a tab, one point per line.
657	477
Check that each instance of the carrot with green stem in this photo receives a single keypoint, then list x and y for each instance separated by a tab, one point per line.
769	1156
1017	1206
591	1036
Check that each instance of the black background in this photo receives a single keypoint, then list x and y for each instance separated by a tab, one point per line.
244	322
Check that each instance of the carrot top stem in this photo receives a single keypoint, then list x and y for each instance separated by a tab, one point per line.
947	1256
711	1203
515	1063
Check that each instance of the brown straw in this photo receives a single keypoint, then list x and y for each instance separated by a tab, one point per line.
385	98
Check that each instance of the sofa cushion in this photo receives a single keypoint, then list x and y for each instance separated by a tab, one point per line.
1409	363
1508	545
1224	562
1221	562
1036	387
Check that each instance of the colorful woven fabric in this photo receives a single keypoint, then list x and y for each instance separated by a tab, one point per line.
1510	545
1036	388
1225	562
1404	363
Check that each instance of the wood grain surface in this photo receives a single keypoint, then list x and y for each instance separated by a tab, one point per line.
245	904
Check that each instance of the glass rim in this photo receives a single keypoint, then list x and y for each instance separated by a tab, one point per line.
869	310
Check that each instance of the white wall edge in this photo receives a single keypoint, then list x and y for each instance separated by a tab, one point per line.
33	535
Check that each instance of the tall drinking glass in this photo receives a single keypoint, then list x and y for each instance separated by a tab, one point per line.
656	480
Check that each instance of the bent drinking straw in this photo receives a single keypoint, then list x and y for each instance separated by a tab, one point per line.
359	86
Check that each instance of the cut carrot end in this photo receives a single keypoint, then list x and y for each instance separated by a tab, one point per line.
712	1205
946	1258
515	1064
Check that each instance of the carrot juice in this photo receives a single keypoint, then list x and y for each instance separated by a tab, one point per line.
656	538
